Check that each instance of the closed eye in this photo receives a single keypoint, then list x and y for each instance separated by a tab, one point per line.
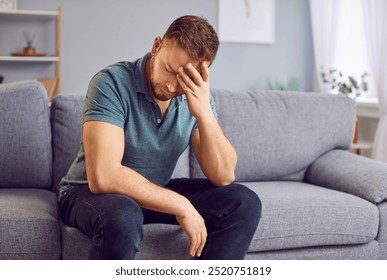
169	70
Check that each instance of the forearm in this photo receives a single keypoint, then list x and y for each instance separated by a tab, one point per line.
123	180
217	155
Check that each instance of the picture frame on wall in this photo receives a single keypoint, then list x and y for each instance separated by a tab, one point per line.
246	21
8	5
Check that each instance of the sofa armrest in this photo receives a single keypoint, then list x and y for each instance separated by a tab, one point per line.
344	171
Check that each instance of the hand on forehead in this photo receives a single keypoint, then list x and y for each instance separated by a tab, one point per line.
198	73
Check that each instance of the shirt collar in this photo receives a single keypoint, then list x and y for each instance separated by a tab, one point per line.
140	77
142	83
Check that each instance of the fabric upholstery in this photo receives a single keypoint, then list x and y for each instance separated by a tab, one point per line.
275	143
29	227
271	135
344	171
182	166
157	243
25	136
382	235
154	249
383	251
296	215
66	122
75	245
366	251
289	214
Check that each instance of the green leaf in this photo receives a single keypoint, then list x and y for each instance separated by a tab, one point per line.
353	82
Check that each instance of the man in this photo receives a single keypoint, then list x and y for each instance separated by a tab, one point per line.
139	117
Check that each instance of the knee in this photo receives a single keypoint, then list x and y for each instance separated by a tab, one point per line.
247	204
119	228
123	217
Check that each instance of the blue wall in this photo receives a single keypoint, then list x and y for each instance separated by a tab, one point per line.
98	33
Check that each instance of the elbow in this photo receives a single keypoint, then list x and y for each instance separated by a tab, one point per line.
102	179
98	183
95	186
224	180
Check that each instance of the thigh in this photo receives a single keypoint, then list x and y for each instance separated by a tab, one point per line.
89	212
214	202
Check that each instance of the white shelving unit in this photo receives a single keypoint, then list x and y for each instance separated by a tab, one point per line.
30	58
367	111
362	145
30	13
49	15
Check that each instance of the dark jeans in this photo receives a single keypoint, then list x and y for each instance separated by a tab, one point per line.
115	222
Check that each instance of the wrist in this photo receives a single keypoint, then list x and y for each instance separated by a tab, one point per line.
184	207
206	117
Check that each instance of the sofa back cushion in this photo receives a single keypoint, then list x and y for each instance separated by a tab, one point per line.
25	136
278	134
66	123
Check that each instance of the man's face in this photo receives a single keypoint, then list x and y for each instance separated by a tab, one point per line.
167	57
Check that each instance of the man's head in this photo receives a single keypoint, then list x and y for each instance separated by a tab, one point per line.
189	39
196	36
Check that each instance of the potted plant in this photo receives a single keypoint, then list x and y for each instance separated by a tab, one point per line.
292	85
345	85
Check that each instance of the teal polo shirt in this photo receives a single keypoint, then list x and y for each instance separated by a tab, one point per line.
119	95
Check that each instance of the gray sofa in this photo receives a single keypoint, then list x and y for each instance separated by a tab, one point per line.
319	200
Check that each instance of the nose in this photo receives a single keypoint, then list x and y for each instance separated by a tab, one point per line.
173	86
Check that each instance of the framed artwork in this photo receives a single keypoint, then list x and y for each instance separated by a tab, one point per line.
7	5
246	21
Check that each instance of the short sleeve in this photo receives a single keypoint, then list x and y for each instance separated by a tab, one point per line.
103	101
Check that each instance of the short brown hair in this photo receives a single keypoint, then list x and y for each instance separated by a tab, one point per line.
196	36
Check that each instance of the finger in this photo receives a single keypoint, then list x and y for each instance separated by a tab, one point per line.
194	73
198	244
192	247
182	84
203	242
187	79
205	71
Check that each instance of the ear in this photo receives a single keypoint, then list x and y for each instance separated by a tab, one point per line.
156	45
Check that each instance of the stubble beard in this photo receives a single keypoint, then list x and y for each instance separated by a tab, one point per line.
155	87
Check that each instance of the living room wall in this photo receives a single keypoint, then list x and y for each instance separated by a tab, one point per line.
98	33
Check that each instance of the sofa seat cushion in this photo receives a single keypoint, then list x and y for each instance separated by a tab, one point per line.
29	227
156	245
294	215
298	215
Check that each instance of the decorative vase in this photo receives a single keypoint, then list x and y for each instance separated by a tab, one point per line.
29	49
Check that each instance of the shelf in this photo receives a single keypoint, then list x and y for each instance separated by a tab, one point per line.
25	13
367	107
30	58
23	17
362	145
